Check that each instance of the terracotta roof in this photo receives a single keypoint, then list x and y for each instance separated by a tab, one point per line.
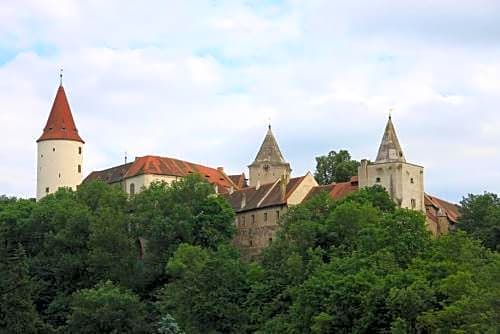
163	166
60	124
336	190
452	211
239	180
270	194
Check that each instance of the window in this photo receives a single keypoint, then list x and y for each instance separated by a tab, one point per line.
411	180
270	240
243	220
79	150
79	168
53	149
378	180
47	190
59	175
265	216
253	219
250	243
132	189
413	203
278	214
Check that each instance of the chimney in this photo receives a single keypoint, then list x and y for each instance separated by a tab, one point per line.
283	182
220	169
243	200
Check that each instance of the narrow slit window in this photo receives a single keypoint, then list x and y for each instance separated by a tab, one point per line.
79	168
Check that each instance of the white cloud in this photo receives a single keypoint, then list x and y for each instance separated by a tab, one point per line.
199	80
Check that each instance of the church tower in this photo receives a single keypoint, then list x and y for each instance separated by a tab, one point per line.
59	150
269	164
402	180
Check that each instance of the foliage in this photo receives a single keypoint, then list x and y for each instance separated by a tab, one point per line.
208	290
335	167
72	262
106	309
481	218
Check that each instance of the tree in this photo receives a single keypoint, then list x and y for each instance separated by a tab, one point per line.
17	310
168	325
187	211
106	308
335	167
208	291
481	218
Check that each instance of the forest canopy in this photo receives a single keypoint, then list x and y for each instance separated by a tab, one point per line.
96	261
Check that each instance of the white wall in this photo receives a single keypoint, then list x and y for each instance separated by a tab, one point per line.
57	165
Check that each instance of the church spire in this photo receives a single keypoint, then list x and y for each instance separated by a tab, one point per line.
390	149
60	124
269	150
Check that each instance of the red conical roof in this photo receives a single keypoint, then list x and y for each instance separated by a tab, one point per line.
60	124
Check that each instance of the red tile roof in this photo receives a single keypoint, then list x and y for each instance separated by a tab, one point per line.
60	124
336	190
156	165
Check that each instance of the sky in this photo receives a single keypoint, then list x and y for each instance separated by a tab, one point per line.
200	80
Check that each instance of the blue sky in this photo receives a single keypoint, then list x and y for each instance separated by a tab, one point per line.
198	80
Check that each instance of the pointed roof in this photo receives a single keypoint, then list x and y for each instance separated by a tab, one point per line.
390	149
60	124
269	150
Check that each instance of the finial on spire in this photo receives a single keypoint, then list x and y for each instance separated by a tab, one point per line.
390	113
60	76
125	156
269	123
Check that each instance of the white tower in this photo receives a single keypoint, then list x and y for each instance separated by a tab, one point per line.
60	150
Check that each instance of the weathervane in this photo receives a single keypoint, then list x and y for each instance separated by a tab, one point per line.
60	76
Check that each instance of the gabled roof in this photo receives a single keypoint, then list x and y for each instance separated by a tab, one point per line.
239	180
269	150
390	149
155	165
267	195
60	124
450	210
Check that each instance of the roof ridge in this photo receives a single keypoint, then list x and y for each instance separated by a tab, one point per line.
268	192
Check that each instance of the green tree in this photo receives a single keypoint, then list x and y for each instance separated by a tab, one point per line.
208	290
187	211
168	325
480	217
335	167
17	310
106	308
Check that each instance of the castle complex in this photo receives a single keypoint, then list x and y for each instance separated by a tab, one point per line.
258	204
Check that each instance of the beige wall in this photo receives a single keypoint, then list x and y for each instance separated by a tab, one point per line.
143	181
255	234
403	181
302	190
259	175
57	165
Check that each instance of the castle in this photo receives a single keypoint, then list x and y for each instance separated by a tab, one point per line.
271	189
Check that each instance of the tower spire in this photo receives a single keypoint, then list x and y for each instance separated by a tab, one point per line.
390	150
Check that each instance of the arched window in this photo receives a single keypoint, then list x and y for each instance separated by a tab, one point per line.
132	189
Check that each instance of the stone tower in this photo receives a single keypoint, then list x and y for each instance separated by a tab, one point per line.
404	181
59	150
269	164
